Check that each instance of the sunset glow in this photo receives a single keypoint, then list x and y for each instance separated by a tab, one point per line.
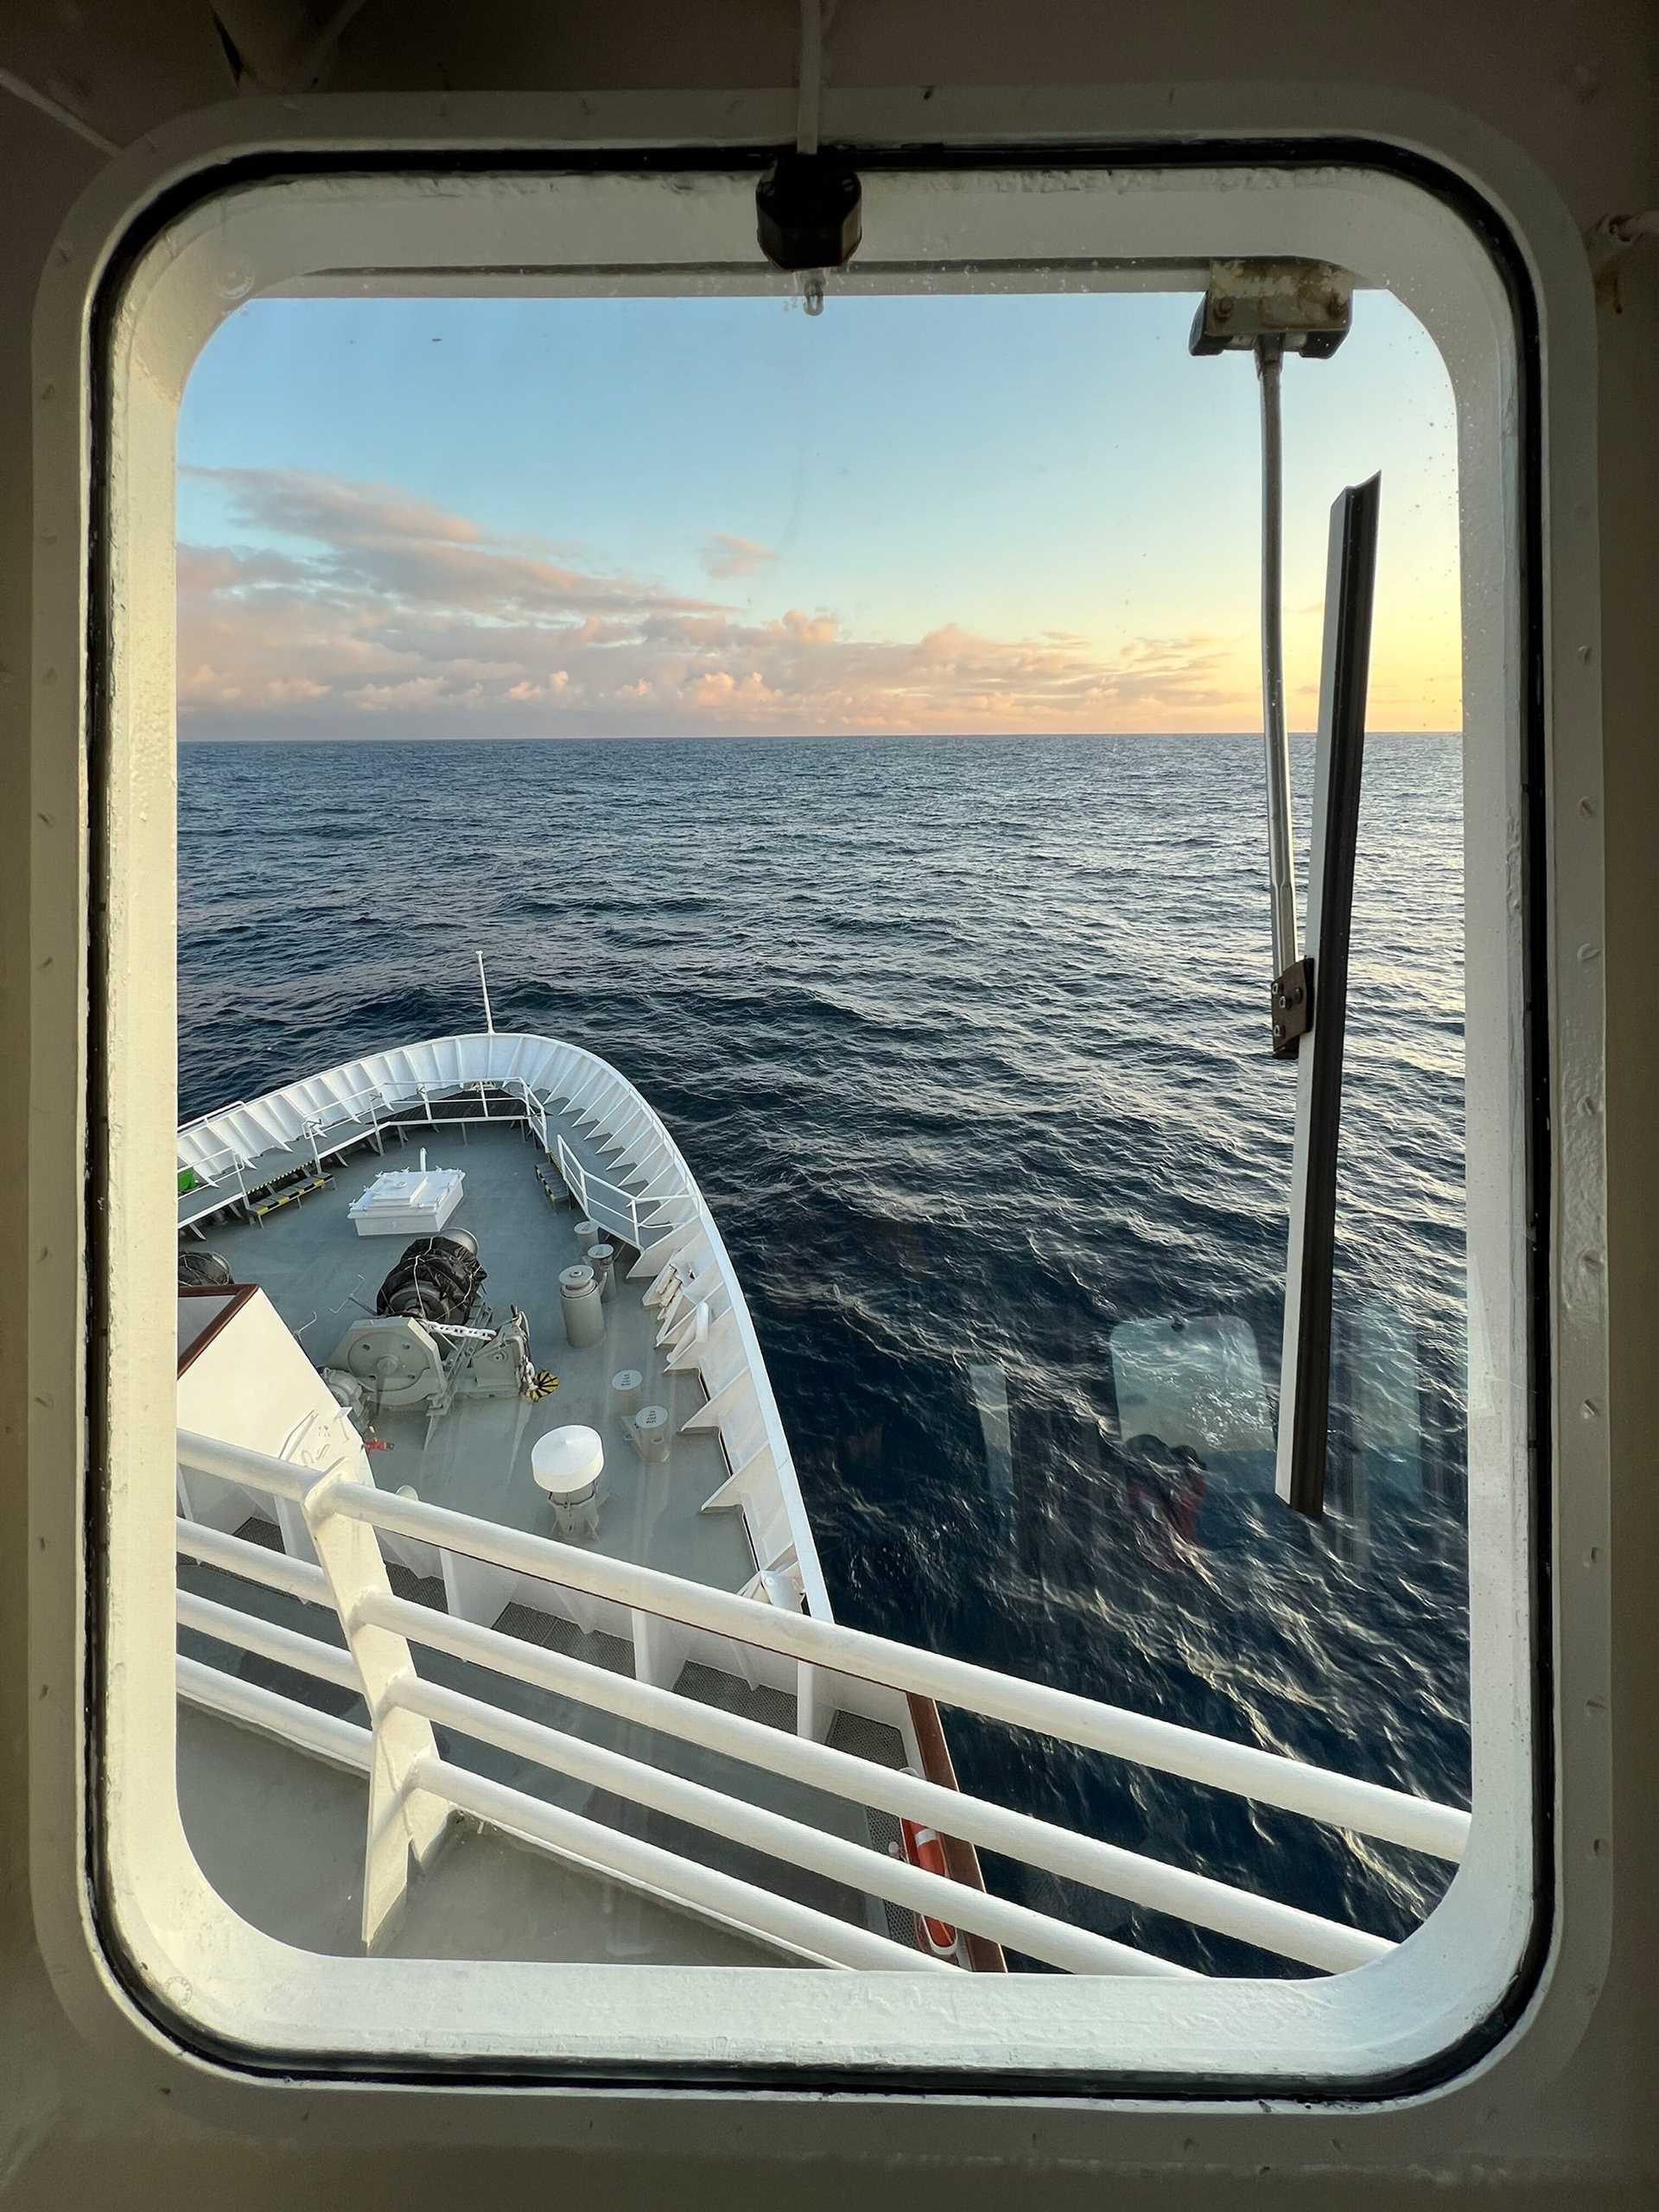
615	518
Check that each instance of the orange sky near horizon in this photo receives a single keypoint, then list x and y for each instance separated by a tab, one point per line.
471	517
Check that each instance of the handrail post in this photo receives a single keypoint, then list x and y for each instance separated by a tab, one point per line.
403	1817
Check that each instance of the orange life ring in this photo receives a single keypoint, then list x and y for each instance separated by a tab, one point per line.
923	1848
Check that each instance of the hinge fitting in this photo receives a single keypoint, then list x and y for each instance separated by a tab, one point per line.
1293	1007
1298	307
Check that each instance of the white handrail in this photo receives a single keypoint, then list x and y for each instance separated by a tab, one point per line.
1076	1950
240	1462
339	1515
340	1110
400	1824
548	1747
1197	1898
209	1172
613	1199
1141	1880
255	1562
212	1114
344	1742
269	1640
1341	1801
535	1111
687	1881
816	1935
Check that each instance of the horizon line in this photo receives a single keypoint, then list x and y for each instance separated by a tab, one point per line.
765	737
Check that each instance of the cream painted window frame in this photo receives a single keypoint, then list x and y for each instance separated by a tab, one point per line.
148	1953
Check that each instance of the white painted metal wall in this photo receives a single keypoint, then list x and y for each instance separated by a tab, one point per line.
1551	112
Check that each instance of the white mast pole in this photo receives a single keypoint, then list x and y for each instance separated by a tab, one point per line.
484	986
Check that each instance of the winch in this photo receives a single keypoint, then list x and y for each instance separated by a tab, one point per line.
437	1279
431	1340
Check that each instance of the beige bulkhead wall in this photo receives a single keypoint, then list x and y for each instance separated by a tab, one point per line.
1573	87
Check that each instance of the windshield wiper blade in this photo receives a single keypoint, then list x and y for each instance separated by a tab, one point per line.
1305	1366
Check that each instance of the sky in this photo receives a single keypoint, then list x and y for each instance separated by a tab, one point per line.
668	518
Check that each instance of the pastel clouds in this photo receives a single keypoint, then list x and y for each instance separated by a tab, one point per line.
725	556
346	607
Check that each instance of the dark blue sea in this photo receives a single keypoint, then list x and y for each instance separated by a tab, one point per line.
965	1041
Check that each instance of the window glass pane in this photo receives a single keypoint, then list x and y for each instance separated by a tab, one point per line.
844	729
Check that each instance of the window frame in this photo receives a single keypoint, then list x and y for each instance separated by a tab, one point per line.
127	1935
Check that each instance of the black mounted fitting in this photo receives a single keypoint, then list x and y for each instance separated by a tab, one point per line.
808	212
1293	1008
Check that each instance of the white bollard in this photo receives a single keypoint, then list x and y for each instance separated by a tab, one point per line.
650	1436
584	1316
628	1387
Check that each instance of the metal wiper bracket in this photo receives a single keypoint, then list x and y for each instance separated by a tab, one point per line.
1301	307
1293	1007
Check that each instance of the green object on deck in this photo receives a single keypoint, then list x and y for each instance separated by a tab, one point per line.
187	1180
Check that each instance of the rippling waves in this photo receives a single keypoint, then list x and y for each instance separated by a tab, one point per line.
965	1042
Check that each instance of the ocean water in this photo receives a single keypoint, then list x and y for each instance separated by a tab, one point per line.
965	1040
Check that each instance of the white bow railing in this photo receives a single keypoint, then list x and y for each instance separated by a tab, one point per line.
608	1204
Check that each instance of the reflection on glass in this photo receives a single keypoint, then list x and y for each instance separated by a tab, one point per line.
941	987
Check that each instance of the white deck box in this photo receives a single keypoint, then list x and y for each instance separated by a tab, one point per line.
408	1201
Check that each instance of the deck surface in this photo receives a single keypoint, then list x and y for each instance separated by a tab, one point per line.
280	1837
281	1834
321	1276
